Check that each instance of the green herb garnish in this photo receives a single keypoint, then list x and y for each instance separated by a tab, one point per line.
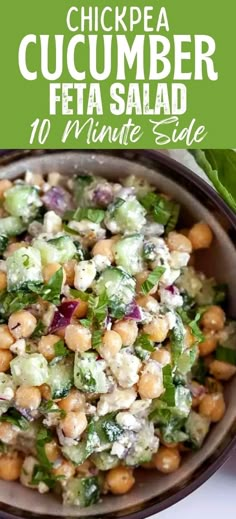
152	279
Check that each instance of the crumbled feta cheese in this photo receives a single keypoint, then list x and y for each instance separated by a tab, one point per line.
101	262
48	315
169	276
85	273
3	266
7	393
121	446
179	259
171	318
153	229
126	420
170	299
140	408
18	348
35	229
86	228
52	223
27	470
42	488
125	368
118	399
152	306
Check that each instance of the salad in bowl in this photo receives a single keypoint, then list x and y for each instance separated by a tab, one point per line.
114	348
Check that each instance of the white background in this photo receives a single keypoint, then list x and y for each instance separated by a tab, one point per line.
215	499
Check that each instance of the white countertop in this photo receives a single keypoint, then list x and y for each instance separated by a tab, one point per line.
215	499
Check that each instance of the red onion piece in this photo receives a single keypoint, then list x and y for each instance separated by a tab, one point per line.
102	195
171	289
57	199
62	316
133	312
197	391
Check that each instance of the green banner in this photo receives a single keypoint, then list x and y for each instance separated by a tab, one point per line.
102	74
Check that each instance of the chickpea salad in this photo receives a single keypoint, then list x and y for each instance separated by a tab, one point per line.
113	347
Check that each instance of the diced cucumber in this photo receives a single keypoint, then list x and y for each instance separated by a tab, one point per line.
22	200
183	401
11	226
82	492
197	427
128	253
76	453
56	250
118	286
7	388
89	374
23	266
31	370
186	360
125	216
105	460
61	377
144	446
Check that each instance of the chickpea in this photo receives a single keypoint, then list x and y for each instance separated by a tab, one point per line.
128	330
74	424
167	460
212	406
105	248
75	401
45	392
213	318
66	469
81	309
50	269
4	186
69	269
46	346
148	303
200	236
157	329
3	281
208	345
78	338
178	242
5	359
150	386
10	466
6	339
52	451
22	324
189	339
213	385
111	343
222	370
119	480
28	397
8	433
162	355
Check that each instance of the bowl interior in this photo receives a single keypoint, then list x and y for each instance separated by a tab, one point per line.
220	262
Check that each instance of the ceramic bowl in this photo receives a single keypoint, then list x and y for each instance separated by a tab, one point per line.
153	492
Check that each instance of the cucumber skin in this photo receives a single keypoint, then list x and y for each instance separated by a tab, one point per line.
30	370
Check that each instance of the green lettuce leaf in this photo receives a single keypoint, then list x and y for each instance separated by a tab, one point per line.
220	167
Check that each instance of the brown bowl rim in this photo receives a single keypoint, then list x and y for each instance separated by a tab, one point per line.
197	478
